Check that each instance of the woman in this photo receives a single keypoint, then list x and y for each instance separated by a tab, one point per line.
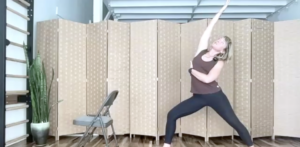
205	69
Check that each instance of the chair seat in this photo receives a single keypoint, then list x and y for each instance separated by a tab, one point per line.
87	120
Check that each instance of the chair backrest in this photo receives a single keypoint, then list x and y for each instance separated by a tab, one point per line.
108	102
111	98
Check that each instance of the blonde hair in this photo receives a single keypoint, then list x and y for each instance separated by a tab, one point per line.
228	50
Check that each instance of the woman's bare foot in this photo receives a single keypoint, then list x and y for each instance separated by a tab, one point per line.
167	145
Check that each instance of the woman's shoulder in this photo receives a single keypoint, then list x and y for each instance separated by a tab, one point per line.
220	63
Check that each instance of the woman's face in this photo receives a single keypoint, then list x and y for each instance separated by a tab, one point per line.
219	45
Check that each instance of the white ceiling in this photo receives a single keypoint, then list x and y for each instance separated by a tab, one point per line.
188	10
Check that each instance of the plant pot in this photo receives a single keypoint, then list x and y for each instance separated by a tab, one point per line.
40	133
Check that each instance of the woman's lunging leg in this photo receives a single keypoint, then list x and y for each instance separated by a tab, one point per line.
222	106
186	107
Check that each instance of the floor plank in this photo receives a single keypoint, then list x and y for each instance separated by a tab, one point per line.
185	141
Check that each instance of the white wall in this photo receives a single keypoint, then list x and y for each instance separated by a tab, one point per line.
290	13
98	10
74	10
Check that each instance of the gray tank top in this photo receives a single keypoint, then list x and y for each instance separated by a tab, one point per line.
197	86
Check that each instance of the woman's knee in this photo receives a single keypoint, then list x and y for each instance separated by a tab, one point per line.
172	115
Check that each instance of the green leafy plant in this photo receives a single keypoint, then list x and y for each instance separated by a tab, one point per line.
39	90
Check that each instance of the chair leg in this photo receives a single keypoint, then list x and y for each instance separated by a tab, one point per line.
93	130
85	140
84	135
91	134
114	133
105	136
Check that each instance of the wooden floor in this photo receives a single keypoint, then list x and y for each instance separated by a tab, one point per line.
185	141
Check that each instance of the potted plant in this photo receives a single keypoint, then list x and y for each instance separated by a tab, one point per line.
39	93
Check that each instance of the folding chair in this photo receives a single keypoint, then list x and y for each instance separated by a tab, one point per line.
101	120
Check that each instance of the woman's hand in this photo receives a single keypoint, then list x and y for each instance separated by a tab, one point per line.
227	2
203	44
191	67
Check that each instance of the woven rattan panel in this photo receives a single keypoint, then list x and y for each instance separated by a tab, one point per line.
168	71
47	46
72	76
96	66
194	124
242	68
215	124
143	78
287	81
118	73
262	78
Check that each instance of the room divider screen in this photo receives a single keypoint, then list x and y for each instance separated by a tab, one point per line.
108	69
118	73
154	75
254	50
96	68
47	45
148	63
62	45
216	126
168	50
242	72
287	81
143	78
194	124
262	78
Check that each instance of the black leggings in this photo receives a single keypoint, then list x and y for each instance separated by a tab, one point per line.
218	101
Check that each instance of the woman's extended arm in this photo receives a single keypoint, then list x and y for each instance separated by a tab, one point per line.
203	44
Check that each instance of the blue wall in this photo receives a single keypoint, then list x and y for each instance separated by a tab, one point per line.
73	10
290	13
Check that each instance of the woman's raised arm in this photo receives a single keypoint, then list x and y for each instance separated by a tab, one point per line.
203	44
